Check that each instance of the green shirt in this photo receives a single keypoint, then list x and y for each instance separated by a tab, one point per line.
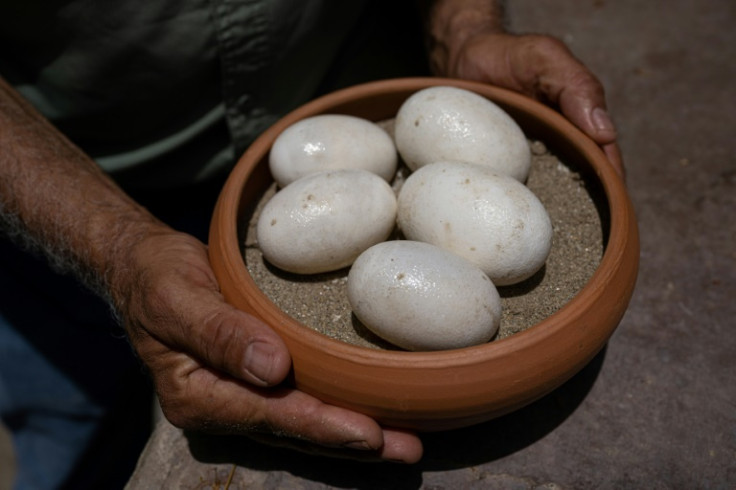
167	92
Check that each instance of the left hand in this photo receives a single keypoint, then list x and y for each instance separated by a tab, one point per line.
469	42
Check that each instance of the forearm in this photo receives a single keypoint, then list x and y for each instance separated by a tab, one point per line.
54	198
449	24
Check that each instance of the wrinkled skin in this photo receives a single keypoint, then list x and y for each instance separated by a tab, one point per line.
543	68
216	368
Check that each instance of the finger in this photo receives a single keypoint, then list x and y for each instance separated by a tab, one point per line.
564	81
239	344
353	435
567	83
583	104
399	447
228	339
197	398
544	68
596	123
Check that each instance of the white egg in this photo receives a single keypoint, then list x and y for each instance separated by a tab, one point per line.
331	142
492	220
323	221
420	297
448	123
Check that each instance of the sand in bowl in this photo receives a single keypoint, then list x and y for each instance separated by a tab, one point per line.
320	301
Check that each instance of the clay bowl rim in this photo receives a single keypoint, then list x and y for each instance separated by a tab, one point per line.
621	246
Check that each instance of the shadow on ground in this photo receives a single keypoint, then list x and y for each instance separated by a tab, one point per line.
444	451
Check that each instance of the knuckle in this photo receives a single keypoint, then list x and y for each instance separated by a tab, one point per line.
546	46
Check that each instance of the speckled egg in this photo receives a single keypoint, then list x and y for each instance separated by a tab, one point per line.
330	142
448	123
492	220
422	298
323	221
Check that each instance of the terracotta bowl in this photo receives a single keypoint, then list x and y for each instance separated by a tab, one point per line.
430	391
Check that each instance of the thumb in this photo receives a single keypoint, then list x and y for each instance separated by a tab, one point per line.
594	120
177	301
585	107
239	344
581	99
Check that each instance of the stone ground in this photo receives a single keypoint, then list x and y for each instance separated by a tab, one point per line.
657	408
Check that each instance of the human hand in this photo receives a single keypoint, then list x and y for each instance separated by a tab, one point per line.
217	369
467	40
545	69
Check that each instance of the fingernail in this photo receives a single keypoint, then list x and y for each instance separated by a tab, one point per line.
602	121
361	445
258	361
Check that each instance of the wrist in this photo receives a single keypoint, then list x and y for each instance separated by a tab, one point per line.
119	268
450	24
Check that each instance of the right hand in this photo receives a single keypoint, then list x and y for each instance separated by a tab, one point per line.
545	69
218	369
